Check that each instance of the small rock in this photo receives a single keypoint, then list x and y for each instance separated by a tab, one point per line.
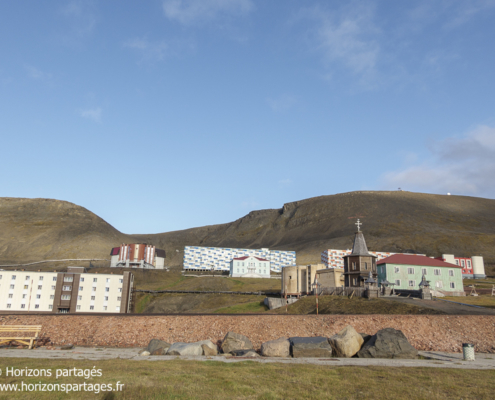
144	353
155	345
67	347
346	343
244	353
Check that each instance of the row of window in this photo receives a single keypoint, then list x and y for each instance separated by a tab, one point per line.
66	279
64	297
412	284
64	288
259	271
50	307
424	271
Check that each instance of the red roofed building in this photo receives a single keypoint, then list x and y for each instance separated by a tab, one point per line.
405	272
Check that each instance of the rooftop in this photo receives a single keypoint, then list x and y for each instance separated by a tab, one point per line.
414	259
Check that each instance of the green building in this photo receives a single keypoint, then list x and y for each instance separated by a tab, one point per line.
406	271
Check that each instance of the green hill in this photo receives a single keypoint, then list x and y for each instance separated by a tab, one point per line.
39	229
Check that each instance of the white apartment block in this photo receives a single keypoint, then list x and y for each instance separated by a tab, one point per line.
65	292
219	258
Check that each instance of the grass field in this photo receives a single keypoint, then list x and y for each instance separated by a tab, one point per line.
482	300
179	379
356	305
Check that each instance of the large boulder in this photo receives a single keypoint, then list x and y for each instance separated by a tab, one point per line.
157	347
346	343
235	341
209	348
310	347
185	349
276	348
388	343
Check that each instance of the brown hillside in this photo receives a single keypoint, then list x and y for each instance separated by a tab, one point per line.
35	229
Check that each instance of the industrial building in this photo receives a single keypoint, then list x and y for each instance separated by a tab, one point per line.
137	256
219	258
65	292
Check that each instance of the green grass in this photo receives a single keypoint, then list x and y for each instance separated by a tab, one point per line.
479	283
179	379
482	300
254	307
356	305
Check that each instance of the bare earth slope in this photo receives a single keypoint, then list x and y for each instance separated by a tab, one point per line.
34	229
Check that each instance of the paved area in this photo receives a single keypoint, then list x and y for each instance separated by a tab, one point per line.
445	306
432	359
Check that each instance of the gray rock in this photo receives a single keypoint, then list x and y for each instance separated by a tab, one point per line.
235	341
212	346
185	349
346	343
310	347
155	345
244	353
388	343
208	351
276	348
67	347
365	337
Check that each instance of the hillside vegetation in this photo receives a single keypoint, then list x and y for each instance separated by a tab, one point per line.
39	229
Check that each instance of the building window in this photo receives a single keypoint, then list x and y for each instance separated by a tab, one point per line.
107	289
91	308
121	281
13	277
40	287
68	278
50	307
119	298
456	262
451	272
38	296
468	264
104	308
437	272
52	296
397	282
120	290
93	289
93	297
66	297
424	271
237	270
10	295
95	279
53	287
23	306
24	296
412	283
41	278
0	276
462	263
78	307
80	288
36	306
365	265
452	285
410	271
54	278
106	298
9	305
354	282
439	284
117	308
66	288
353	265
25	286
27	277
79	297
396	270
12	286
81	279
108	280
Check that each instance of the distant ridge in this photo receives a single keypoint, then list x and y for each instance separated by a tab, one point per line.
40	229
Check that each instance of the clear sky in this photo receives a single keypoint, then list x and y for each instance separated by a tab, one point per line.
169	114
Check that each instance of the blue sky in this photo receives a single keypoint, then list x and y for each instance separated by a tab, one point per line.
166	115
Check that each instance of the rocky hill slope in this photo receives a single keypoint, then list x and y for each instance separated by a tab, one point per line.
34	229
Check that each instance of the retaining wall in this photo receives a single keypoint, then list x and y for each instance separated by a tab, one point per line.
425	332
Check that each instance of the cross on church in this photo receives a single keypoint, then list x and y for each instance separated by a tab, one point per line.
358	224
